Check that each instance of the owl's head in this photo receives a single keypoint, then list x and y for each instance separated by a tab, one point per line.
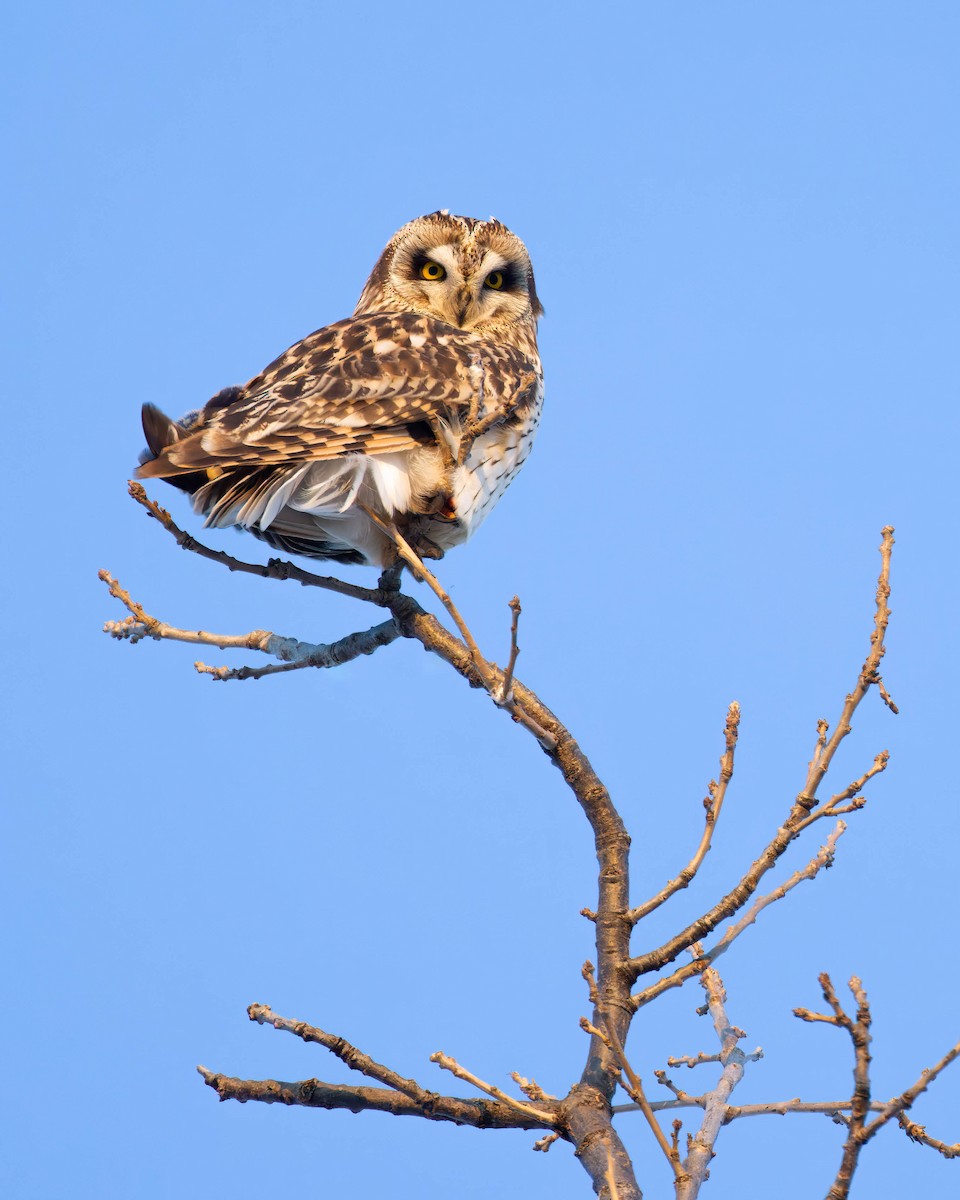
473	274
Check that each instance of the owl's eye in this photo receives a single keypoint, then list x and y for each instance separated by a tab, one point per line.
433	271
495	280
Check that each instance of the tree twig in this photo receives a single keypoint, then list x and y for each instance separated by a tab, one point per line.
773	1108
446	1063
491	677
712	804
692	1060
836	805
633	1086
313	1093
355	1059
900	1104
507	681
276	568
806	800
700	1147
858	1131
822	859
859	1031
293	654
918	1133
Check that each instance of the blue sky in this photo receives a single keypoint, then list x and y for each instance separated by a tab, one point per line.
743	222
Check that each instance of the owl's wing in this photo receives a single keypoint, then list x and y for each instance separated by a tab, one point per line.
372	384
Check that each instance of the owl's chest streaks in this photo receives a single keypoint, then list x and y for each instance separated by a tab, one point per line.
479	477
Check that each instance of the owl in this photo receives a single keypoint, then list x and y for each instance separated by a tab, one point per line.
418	409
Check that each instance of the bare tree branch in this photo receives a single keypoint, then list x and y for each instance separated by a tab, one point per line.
774	1108
496	683
402	1096
859	1132
692	1060
505	685
584	1115
918	1133
312	1093
355	1059
859	1031
712	804
684	1099
700	1150
274	569
422	571
446	1063
821	860
633	1086
805	802
530	1088
294	654
899	1104
836	805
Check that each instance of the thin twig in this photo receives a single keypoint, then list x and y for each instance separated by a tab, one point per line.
298	655
355	1059
491	677
506	684
869	674
700	1147
294	655
276	568
530	1088
775	1108
918	1133
712	804
860	1102
683	1098
823	858
314	1093
416	564
806	800
633	1086
859	1132
446	1063
823	728
900	1104
688	1060
836	805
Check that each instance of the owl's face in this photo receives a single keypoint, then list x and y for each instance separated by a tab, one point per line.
473	274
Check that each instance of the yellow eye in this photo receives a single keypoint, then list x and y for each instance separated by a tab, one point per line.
432	270
495	280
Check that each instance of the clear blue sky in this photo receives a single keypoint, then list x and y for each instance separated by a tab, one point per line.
743	218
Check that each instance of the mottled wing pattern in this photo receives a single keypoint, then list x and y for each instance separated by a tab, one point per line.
373	384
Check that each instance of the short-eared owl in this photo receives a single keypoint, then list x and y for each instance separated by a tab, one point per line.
420	408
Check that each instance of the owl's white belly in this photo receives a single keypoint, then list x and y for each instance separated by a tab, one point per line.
329	498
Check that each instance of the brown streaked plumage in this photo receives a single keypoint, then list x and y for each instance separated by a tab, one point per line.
421	407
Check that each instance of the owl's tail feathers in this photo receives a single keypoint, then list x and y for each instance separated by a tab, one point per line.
161	433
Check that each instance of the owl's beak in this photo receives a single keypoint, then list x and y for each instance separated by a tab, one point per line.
463	302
